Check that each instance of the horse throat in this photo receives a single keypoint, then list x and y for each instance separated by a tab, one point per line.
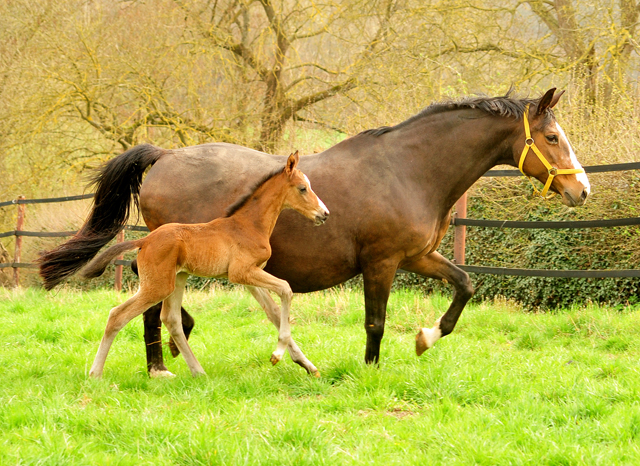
449	152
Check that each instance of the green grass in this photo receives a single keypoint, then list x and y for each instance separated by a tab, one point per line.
507	387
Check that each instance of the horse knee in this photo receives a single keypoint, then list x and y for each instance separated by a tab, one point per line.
464	287
286	293
375	330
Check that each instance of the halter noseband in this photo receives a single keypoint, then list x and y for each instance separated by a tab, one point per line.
529	143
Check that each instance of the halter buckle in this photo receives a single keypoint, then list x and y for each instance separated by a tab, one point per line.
553	171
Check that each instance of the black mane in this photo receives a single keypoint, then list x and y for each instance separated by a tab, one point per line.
233	208
504	106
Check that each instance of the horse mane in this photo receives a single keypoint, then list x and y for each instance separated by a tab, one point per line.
242	200
504	106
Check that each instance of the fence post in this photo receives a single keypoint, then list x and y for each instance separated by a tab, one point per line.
460	231
117	283
18	250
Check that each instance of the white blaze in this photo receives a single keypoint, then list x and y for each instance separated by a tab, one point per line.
581	177
322	206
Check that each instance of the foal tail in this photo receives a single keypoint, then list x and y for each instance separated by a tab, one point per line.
117	183
96	267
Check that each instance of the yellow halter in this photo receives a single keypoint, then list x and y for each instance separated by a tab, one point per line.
529	143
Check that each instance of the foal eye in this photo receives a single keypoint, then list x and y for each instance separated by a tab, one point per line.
552	139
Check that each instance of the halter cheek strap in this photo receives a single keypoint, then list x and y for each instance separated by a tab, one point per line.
529	143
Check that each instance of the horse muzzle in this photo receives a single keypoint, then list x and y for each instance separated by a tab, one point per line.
321	218
575	198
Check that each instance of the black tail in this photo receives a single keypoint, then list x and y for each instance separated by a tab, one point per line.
117	183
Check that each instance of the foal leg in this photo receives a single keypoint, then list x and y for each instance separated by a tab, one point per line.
119	316
273	313
435	266
153	336
259	278
172	319
187	325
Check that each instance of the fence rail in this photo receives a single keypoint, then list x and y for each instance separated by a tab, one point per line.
459	221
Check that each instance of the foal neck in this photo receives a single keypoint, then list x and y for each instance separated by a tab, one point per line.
262	208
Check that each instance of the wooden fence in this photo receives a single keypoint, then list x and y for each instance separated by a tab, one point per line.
459	221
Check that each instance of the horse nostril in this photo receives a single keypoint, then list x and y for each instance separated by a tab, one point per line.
584	195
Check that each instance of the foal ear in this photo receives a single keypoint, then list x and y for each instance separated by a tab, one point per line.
292	163
546	101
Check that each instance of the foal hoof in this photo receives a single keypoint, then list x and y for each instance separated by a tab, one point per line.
316	374
275	359
156	374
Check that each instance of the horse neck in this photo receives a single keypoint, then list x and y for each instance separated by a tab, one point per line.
446	153
262	209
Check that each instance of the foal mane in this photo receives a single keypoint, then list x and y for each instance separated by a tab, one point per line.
504	106
242	200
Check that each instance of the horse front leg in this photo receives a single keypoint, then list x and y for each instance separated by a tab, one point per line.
273	313
436	266
257	277
378	278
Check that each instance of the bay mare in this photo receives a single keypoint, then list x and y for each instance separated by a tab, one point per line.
390	191
235	246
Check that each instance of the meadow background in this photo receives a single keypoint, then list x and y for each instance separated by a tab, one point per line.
537	372
506	388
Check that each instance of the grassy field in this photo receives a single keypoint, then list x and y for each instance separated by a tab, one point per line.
508	387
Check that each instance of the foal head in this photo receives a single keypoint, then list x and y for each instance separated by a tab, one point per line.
544	152
300	196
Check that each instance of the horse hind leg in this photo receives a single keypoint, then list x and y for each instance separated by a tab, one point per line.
153	336
273	313
436	266
172	319
119	316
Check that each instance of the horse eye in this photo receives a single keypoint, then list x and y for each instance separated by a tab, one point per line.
302	189
553	139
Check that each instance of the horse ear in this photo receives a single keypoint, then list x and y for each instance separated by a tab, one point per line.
292	163
555	99
545	101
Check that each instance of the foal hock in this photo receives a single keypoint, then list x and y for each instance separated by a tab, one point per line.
235	246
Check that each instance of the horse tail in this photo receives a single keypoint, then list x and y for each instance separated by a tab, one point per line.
117	184
96	267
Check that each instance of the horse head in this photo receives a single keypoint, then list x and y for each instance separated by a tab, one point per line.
300	196
544	152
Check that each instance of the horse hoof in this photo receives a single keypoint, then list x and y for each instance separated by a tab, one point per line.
421	342
175	352
316	374
156	374
426	338
275	359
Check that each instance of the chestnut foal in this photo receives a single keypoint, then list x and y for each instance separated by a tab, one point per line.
235	246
